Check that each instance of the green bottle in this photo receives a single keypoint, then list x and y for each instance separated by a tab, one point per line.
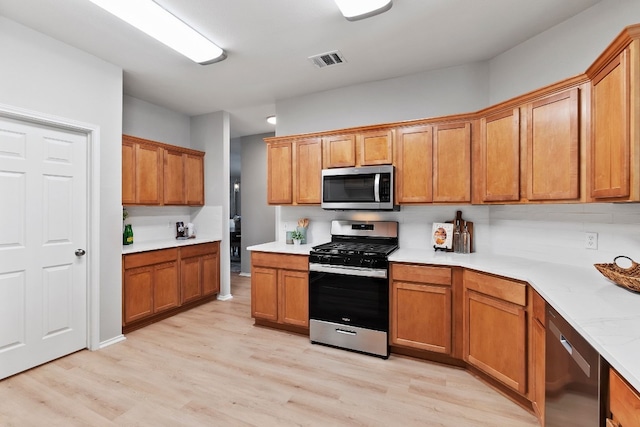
127	236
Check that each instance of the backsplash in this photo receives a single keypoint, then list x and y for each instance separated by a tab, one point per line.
152	223
550	232
557	232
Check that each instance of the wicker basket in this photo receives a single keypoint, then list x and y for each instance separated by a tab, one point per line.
626	277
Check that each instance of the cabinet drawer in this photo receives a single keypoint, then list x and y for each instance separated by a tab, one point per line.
275	260
150	258
624	402
421	274
199	249
507	290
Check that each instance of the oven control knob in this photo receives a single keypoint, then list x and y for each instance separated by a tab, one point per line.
366	262
346	260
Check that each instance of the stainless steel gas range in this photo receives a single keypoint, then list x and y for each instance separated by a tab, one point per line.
349	286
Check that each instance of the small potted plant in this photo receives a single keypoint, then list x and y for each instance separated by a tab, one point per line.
297	237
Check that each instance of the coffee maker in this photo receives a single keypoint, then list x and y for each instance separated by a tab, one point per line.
181	230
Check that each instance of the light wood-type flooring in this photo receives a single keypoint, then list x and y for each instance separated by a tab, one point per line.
211	367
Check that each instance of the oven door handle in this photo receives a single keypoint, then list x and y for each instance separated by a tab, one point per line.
349	271
376	188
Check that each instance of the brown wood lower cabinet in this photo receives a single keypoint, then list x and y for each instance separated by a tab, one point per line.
537	363
280	290
421	307
624	402
495	328
157	284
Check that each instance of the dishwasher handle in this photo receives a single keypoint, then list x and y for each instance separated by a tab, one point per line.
575	354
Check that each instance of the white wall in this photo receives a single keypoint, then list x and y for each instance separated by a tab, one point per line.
258	218
44	75
210	133
563	51
435	93
146	120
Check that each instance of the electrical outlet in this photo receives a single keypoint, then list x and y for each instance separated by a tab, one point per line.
590	240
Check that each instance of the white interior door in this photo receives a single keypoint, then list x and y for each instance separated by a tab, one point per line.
43	221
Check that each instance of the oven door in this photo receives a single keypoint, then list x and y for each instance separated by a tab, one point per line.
350	297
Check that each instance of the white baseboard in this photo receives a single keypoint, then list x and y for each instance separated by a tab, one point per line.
225	297
243	274
112	341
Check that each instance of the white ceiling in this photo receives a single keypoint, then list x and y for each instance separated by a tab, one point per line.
268	43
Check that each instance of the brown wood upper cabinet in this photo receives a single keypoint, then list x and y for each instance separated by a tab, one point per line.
615	125
433	163
142	177
366	148
294	171
498	164
414	164
154	173
553	156
452	162
521	150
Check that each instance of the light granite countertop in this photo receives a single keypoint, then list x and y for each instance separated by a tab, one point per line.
606	315
152	245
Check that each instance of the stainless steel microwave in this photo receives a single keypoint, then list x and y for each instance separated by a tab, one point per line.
364	188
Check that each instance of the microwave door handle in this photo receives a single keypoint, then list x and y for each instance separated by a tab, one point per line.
376	188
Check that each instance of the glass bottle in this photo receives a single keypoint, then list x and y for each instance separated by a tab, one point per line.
466	241
127	235
457	241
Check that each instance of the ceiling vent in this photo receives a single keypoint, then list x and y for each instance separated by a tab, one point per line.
328	59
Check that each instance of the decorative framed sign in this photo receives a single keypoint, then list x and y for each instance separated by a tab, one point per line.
442	236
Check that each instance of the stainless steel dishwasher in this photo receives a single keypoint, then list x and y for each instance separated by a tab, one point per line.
572	380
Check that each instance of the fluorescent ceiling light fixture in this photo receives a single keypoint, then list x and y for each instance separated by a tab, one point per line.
271	120
355	10
152	19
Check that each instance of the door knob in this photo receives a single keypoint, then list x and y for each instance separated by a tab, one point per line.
80	252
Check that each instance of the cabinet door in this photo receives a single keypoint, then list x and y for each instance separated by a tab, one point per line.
137	294
308	171
610	126
210	274
294	297
279	173
421	316
128	173
499	163
494	338
339	151
149	159
166	288
264	293
190	279
414	164
375	148
174	171
194	180
553	157
452	162
624	401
